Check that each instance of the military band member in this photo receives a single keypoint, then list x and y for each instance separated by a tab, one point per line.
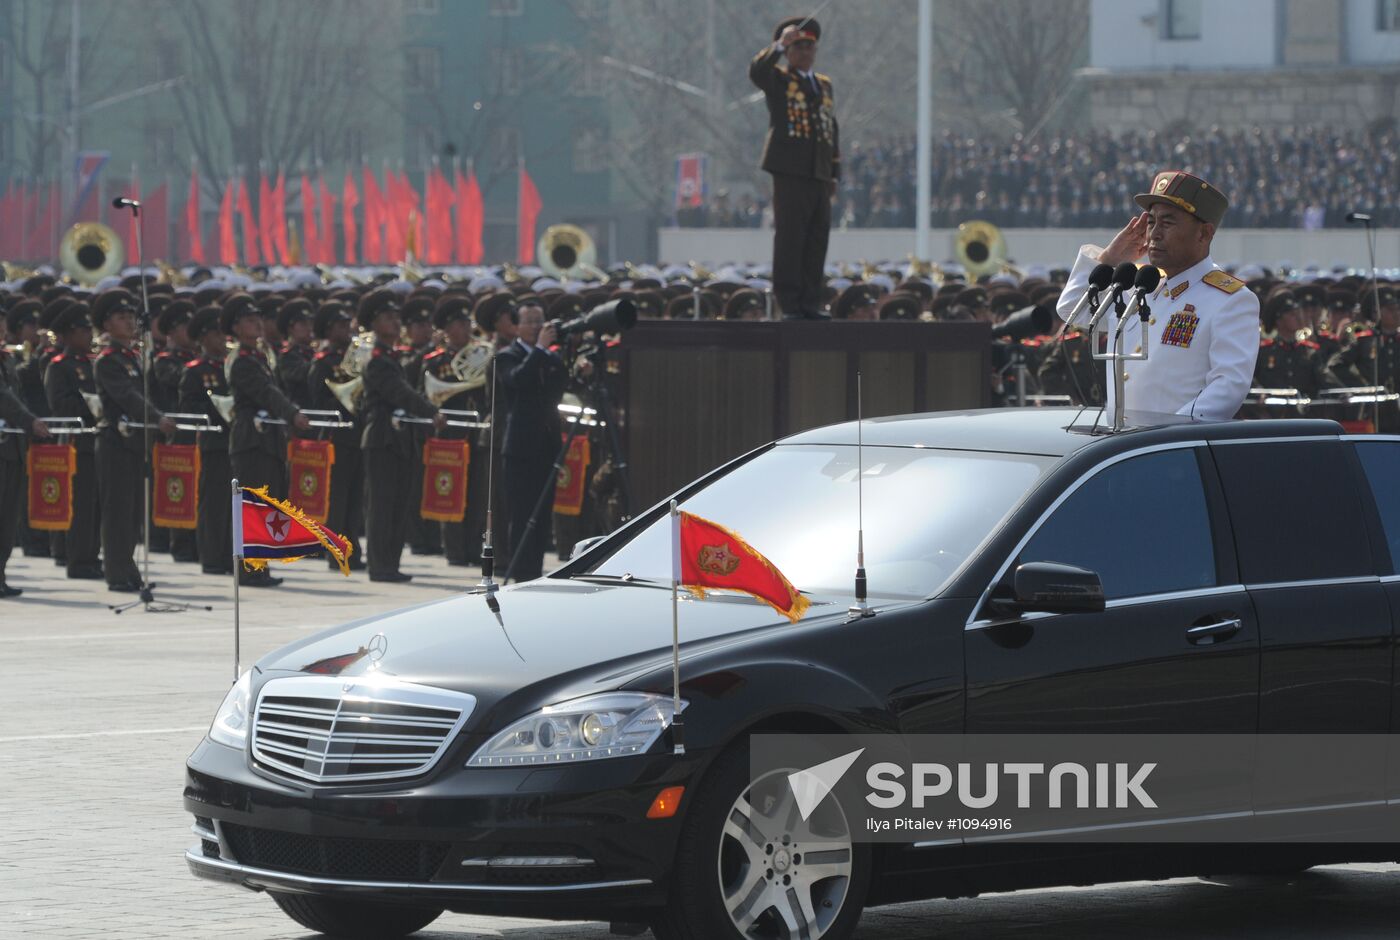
745	304
1373	356
1067	367
121	457
461	541
1204	326
174	321
424	536
294	358
388	451
203	375
346	515
857	302
17	416
68	378
802	152
1285	360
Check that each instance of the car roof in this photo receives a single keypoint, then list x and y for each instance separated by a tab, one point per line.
1053	432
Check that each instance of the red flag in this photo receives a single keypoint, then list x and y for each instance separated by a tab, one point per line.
228	250
528	210
267	528
311	239
251	232
265	213
325	248
47	229
438	208
373	250
11	227
470	217
278	226
156	209
28	221
194	238
710	556
349	199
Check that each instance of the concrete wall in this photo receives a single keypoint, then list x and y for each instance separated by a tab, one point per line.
1033	246
1364	43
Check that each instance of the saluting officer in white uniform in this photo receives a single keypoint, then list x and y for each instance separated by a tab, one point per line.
1203	331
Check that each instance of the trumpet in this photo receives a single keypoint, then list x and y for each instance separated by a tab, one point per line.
320	419
183	422
400	417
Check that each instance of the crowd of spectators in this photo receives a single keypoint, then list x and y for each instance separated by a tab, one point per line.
1305	178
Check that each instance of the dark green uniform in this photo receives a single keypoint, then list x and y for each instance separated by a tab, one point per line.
461	541
15	414
200	377
1372	358
120	461
169	368
1286	364
388	458
30	388
69	375
257	457
424	536
294	370
1069	368
346	516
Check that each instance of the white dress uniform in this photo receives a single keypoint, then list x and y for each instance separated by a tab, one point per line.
1203	338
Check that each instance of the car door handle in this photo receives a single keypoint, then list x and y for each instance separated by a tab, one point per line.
1214	631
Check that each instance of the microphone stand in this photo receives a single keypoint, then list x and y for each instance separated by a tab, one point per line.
1365	220
146	597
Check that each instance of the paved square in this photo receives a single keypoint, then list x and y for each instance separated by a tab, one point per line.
98	711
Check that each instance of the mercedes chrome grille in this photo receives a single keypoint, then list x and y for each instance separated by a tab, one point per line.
331	729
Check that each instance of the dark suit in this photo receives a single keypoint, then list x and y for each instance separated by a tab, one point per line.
389	457
533	383
257	457
68	376
802	151
213	521
15	414
120	459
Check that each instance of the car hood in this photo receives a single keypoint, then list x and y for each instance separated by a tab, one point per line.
575	636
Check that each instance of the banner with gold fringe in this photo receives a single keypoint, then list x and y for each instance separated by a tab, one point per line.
708	556
445	467
569	488
309	466
267	528
51	468
176	486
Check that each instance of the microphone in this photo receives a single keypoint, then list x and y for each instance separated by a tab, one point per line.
1144	283
1123	277
121	202
1099	278
1362	217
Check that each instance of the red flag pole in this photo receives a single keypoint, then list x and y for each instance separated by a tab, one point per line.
677	726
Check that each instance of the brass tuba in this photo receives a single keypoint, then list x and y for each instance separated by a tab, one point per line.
350	391
980	248
91	251
565	249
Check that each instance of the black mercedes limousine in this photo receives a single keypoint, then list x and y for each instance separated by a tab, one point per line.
512	755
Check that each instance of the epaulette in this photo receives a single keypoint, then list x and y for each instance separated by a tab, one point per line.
1359	334
1032	342
1309	343
193	363
434	354
322	354
107	351
1265	342
822	78
1222	281
58	358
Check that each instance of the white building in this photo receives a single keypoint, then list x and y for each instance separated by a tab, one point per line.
1278	62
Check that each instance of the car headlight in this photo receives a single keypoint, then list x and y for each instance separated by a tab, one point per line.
230	725
613	724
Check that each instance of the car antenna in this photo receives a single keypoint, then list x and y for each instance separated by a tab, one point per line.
861	609
488	554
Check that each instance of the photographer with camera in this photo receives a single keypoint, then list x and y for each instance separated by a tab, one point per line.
532	379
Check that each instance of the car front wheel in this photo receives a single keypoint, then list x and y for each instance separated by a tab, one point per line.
354	920
748	866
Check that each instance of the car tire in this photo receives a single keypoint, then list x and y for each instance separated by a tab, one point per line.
354	920
714	874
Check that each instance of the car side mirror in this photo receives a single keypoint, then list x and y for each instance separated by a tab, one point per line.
584	545
1048	587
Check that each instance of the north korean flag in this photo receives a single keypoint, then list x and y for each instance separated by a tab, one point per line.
267	528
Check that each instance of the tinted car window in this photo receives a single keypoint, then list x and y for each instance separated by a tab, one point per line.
926	511
1381	459
1142	524
1282	532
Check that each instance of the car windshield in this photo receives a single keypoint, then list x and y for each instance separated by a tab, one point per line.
926	510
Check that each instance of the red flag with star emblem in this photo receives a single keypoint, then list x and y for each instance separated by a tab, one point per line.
275	529
708	555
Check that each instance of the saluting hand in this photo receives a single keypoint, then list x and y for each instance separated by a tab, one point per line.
301	422
788	37
1129	244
